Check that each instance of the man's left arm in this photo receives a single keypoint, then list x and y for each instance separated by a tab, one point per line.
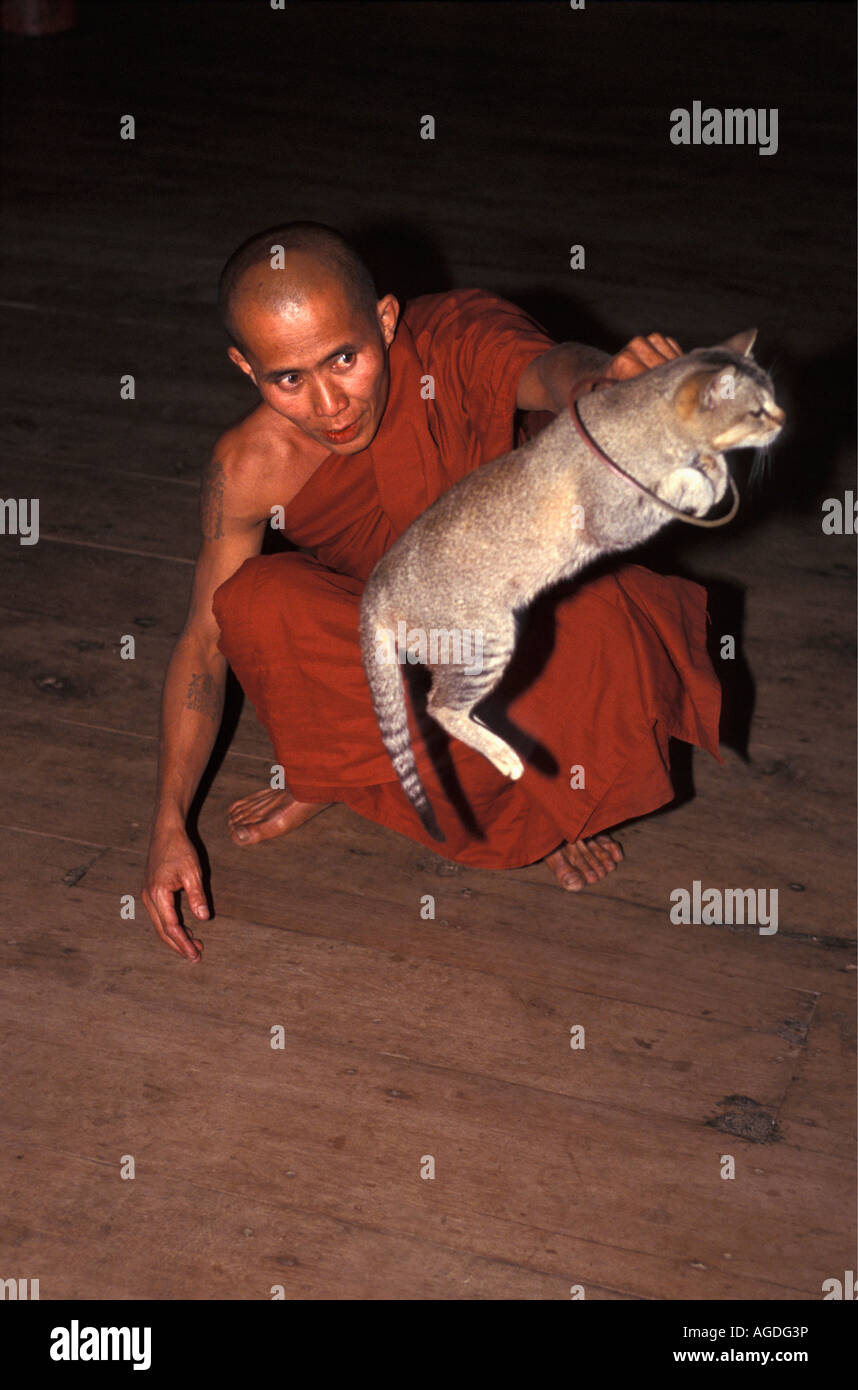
545	384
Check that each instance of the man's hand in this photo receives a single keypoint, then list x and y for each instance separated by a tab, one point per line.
545	384
642	353
173	865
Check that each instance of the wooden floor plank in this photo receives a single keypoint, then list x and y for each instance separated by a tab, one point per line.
100	506
350	1149
115	771
248	1247
78	678
389	1056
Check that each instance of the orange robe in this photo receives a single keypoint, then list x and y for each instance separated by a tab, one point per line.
628	668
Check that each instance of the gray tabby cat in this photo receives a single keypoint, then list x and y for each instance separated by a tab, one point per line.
450	585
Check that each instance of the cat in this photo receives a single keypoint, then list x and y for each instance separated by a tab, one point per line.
538	515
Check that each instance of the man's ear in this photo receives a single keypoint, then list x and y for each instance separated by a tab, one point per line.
387	311
741	343
242	363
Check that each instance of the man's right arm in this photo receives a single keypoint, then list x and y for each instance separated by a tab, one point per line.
191	709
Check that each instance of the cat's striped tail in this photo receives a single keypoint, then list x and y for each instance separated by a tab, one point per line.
388	701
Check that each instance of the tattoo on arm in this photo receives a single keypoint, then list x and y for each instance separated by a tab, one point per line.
211	501
202	696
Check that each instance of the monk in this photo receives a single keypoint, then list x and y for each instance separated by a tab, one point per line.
369	413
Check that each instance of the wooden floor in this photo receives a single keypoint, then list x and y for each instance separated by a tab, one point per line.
301	1167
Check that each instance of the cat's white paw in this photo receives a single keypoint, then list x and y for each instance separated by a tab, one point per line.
695	491
510	764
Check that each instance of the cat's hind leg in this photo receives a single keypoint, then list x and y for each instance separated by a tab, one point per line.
460	725
456	692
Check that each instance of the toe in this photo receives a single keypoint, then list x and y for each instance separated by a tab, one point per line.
580	857
566	874
613	849
599	853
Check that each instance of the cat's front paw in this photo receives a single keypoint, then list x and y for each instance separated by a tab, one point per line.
696	489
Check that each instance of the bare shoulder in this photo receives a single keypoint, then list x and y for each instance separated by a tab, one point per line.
248	461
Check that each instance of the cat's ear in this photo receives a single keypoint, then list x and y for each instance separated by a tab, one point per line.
741	343
705	391
720	387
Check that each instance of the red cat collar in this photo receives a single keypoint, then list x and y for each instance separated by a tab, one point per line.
590	383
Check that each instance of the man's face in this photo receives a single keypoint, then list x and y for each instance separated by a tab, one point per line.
322	365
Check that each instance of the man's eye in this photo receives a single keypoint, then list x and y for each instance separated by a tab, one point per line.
346	358
290	380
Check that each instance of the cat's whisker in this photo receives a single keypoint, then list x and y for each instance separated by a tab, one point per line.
756	469
761	468
773	370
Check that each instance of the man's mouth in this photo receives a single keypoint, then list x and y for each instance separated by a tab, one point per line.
343	436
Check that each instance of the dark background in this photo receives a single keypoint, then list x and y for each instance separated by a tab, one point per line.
551	129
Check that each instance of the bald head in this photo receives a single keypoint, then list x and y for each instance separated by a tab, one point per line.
314	259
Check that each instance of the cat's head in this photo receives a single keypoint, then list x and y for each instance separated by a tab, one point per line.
723	399
718	399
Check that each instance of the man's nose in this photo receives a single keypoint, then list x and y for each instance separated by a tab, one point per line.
329	400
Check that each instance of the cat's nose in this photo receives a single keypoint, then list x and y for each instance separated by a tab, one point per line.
777	415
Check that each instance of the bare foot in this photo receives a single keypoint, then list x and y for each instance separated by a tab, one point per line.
584	862
265	814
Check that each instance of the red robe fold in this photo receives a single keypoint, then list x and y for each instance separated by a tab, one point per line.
628	668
